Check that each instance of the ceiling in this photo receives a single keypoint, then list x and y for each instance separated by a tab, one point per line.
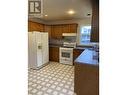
57	9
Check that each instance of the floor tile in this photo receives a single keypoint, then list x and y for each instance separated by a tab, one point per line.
53	79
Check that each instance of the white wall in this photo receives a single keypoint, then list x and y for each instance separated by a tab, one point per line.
85	21
38	20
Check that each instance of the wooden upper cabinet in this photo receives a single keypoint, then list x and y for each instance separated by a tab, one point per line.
73	28
56	31
69	28
65	28
33	26
48	29
95	21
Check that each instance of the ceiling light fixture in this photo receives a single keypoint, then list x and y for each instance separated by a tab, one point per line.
71	12
46	15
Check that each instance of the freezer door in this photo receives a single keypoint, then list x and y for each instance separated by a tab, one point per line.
45	48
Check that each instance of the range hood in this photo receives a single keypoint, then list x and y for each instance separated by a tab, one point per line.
69	34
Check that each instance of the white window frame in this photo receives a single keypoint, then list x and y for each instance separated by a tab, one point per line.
79	36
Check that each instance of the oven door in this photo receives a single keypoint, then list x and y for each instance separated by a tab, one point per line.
66	55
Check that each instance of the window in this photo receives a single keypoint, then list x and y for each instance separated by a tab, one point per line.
85	35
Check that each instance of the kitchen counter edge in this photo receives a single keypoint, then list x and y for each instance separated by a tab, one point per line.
86	57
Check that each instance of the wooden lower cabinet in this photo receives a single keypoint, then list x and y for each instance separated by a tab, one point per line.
54	54
76	53
86	79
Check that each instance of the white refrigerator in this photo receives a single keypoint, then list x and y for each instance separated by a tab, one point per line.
38	49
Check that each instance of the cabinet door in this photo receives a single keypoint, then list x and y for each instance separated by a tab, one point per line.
33	26
69	28
65	28
95	21
86	79
54	54
76	53
39	26
42	27
73	28
48	29
56	31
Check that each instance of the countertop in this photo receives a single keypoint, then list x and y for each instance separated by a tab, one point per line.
55	45
61	45
86	57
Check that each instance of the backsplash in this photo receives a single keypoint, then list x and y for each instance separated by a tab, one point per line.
60	41
70	39
56	41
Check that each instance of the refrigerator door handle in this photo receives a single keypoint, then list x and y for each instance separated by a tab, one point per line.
39	46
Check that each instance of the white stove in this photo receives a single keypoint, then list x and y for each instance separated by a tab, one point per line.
66	52
66	55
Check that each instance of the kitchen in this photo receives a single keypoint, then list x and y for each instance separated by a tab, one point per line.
67	56
55	78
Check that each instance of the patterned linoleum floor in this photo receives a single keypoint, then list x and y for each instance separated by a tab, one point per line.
53	79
